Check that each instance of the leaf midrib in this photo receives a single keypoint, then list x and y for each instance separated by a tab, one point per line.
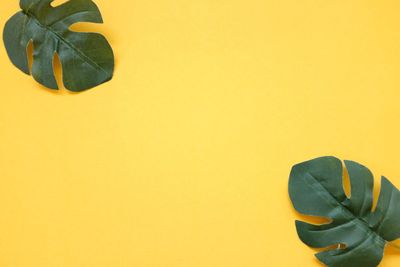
346	211
66	42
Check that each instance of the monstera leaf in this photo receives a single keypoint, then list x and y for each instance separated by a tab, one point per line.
87	58
358	233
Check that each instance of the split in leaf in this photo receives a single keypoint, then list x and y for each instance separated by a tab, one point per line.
359	233
86	58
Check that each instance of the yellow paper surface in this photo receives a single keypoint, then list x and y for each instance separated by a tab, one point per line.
182	160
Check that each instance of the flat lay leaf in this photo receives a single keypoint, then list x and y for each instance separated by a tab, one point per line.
86	58
316	189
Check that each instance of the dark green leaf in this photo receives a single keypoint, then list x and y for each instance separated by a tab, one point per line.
316	189
87	58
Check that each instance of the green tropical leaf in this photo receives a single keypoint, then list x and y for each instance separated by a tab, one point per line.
86	58
358	233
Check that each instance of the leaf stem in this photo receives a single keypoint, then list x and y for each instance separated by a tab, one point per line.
393	245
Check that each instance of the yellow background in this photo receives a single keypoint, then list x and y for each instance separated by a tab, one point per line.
182	160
